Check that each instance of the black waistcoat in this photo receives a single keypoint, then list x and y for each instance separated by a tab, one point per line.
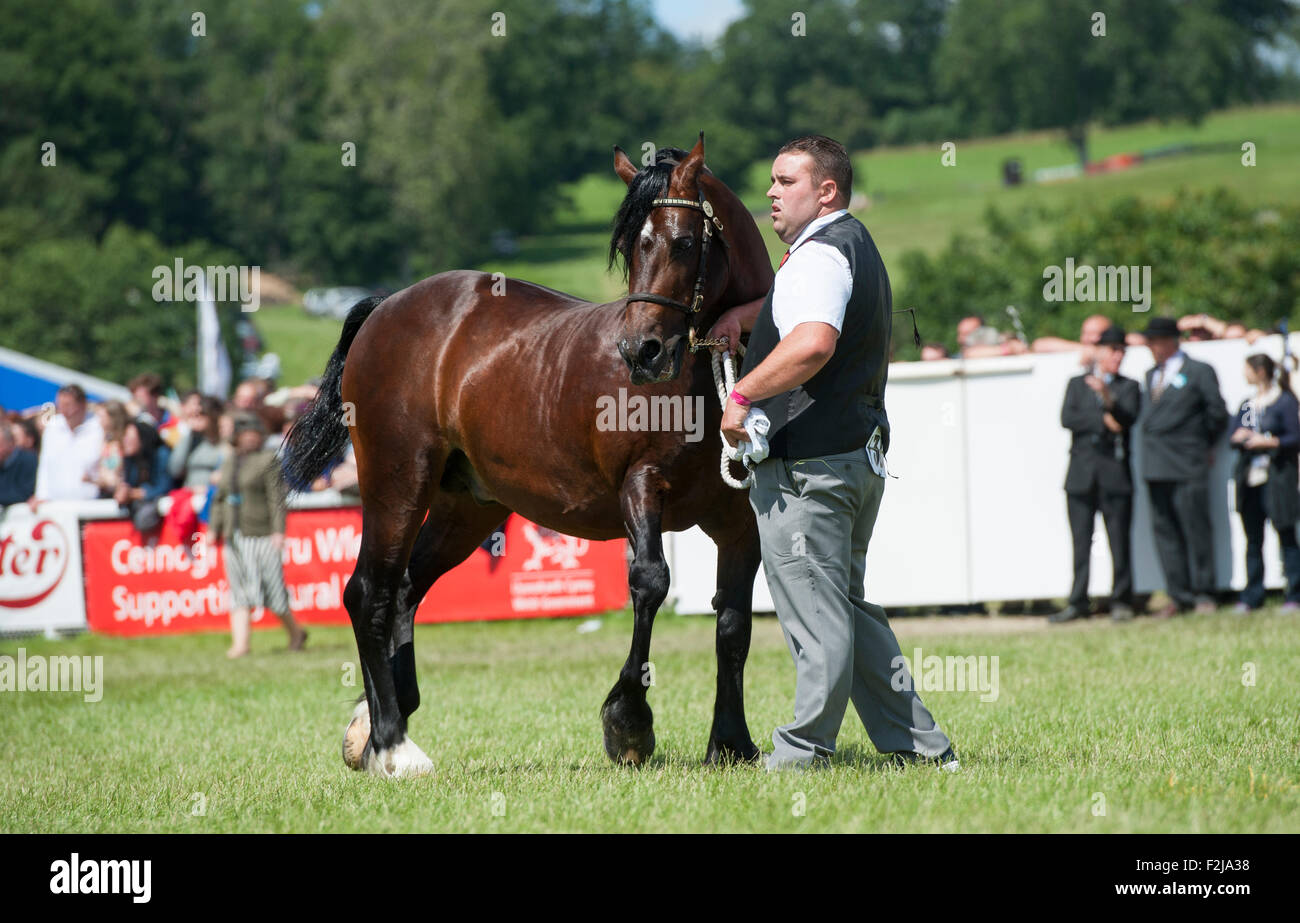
838	408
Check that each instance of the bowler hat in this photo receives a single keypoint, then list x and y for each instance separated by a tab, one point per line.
1161	327
1112	336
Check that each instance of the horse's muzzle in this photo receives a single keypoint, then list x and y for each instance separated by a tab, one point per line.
651	359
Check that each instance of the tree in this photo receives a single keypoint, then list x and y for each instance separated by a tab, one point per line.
1064	64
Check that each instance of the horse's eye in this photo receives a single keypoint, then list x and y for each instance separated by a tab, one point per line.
683	244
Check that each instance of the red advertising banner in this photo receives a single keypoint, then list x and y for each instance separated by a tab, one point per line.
134	588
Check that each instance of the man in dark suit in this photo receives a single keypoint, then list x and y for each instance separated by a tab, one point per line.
1100	409
1185	417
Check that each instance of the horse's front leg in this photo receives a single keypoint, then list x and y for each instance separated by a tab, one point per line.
626	716
739	555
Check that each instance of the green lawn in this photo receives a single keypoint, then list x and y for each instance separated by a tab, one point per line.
916	203
1153	717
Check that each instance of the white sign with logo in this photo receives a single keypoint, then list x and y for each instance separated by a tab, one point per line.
552	578
40	569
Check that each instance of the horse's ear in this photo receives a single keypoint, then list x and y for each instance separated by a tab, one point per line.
623	165
688	171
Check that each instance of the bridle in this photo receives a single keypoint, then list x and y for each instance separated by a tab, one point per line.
711	220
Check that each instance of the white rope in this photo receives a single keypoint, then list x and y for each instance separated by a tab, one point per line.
724	381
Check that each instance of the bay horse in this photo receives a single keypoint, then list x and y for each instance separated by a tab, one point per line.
468	397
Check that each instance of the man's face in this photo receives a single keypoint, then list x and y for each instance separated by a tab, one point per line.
245	396
1092	330
965	327
1109	359
1162	347
69	408
796	198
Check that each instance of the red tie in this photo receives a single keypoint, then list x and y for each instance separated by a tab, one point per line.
783	259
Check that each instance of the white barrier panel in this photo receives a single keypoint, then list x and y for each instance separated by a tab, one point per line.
976	511
40	569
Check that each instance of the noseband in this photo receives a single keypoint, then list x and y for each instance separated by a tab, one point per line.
711	220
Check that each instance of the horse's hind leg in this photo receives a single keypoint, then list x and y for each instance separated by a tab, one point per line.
739	555
454	528
396	488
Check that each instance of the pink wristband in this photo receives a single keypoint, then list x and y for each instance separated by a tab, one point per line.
740	398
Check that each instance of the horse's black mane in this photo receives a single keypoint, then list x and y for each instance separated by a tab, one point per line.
649	184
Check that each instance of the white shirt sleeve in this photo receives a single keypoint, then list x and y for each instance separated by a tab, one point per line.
814	285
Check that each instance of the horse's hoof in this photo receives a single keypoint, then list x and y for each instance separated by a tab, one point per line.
356	736
404	761
725	754
628	725
628	748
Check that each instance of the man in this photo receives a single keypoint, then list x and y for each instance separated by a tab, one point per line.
1099	410
817	364
70	448
1185	417
17	468
976	340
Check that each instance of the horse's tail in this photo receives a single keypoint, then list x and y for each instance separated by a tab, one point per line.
319	435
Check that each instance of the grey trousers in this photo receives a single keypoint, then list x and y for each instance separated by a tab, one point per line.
815	518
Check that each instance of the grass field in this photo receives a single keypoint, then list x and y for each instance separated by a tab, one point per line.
1150	719
915	203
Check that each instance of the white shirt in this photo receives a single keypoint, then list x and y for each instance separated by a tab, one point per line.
1169	372
67	456
814	284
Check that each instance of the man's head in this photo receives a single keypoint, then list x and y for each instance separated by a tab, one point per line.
70	402
966	326
1110	350
932	352
1162	338
247	395
1093	327
811	177
249	432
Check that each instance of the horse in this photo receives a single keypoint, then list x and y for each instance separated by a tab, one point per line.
468	397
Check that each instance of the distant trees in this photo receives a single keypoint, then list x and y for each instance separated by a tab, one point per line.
1062	64
1209	252
378	141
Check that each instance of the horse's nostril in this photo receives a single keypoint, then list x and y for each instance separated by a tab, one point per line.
650	350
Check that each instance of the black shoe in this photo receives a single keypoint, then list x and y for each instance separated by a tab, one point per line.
947	760
1069	613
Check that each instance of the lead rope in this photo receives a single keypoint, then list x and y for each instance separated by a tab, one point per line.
724	382
724	378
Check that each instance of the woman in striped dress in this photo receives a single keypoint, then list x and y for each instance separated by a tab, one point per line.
248	511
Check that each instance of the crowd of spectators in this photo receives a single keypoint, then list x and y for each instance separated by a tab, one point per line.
977	339
137	452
